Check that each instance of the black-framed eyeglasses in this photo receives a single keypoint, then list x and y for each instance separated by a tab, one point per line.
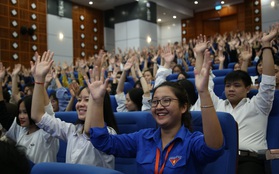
164	102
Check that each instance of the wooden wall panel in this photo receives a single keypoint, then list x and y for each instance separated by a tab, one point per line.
90	44
239	17
211	27
24	42
228	23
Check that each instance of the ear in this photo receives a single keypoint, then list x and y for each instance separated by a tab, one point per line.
248	89
184	108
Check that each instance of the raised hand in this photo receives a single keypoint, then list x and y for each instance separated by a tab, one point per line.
128	65
2	73
16	69
74	88
201	44
246	54
97	85
272	33
42	66
202	76
167	55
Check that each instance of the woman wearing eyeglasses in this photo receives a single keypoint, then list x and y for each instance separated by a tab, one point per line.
171	148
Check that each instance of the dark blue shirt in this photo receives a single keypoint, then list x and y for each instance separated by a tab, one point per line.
189	151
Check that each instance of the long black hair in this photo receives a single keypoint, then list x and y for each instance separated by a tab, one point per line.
107	109
28	103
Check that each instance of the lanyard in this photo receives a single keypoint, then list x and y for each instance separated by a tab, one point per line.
165	160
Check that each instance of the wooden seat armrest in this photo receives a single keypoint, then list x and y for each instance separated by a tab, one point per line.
272	154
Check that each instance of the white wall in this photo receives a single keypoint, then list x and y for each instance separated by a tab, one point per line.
270	15
169	33
63	49
109	40
133	34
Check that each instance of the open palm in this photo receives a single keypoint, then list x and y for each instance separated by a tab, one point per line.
97	85
201	77
43	65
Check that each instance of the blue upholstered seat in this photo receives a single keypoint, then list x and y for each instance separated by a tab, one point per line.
58	168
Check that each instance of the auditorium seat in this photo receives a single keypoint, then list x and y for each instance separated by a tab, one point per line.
59	168
127	87
221	72
129	122
219	85
272	132
113	102
252	71
172	77
227	163
69	117
231	65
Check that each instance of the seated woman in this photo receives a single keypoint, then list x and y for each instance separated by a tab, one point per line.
22	130
79	149
134	100
172	147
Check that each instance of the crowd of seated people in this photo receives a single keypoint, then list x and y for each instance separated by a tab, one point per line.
133	75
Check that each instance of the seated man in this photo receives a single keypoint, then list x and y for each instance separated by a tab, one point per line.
250	114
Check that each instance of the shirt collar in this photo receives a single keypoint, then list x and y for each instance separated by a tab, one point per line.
156	136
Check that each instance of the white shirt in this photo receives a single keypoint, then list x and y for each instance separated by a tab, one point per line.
121	99
40	146
250	114
79	148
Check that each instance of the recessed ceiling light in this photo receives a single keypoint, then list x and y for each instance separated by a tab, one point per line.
90	2
164	13
159	20
174	17
222	2
196	2
272	3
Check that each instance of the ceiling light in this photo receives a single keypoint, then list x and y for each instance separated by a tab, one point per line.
159	20
164	13
60	36
272	3
222	2
174	17
196	2
90	2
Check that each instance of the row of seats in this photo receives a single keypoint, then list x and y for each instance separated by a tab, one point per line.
129	122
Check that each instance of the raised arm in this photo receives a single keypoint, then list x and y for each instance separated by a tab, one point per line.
41	68
95	112
268	62
211	126
15	91
246	56
127	66
199	50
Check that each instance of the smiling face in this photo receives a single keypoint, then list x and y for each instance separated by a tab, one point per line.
23	116
81	105
167	117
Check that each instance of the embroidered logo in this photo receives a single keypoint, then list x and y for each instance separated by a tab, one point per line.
174	160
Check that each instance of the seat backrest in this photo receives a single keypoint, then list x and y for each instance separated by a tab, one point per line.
130	80
272	131
219	85
113	103
221	72
172	77
252	71
231	65
127	87
129	122
58	168
190	74
69	117
227	163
